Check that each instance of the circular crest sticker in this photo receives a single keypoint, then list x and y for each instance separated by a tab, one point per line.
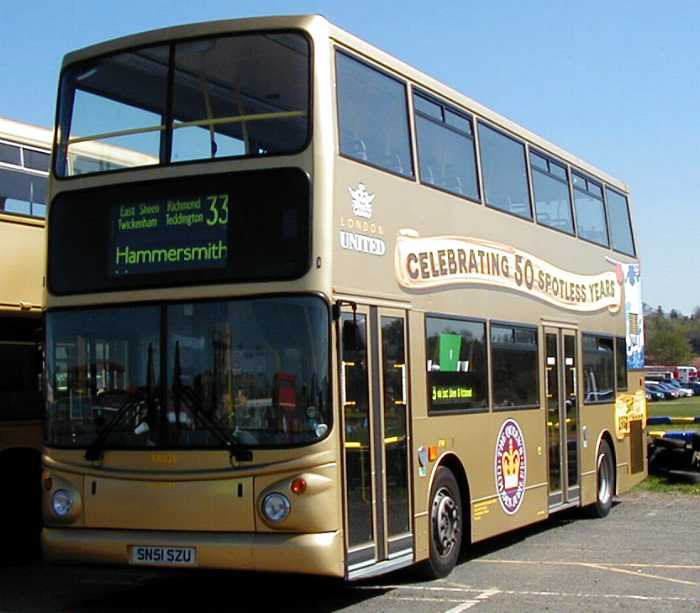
511	466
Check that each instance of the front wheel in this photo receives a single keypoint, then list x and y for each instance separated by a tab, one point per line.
446	525
605	480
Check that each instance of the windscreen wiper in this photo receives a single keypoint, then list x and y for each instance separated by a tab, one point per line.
181	392
94	452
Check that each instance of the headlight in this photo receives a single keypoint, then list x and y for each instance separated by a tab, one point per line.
62	503
275	507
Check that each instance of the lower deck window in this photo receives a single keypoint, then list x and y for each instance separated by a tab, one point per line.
20	367
456	364
621	363
598	368
514	361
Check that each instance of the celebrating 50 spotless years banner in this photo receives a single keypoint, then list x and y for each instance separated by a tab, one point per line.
430	262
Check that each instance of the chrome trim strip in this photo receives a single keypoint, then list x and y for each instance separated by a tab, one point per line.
380	568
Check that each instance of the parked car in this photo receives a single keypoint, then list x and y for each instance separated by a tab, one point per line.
667	387
695	386
683	389
667	393
654	394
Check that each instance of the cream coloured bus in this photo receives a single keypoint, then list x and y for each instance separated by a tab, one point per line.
24	168
341	320
24	165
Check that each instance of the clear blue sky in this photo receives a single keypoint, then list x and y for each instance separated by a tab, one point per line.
616	83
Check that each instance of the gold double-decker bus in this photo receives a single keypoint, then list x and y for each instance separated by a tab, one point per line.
344	320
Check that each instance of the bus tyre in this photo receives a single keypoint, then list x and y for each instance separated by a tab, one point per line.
605	480
446	524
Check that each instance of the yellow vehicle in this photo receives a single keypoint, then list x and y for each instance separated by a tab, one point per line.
24	165
345	320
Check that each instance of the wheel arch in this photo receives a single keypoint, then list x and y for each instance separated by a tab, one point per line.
607	437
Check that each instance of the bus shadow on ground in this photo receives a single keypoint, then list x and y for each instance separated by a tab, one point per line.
225	591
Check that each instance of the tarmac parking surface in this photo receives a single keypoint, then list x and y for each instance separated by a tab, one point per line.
645	556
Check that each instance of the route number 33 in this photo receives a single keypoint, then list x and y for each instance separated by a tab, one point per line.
218	209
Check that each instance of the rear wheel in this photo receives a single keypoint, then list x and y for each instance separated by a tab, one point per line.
446	525
605	480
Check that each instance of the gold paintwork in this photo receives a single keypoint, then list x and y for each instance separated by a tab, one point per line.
318	554
193	494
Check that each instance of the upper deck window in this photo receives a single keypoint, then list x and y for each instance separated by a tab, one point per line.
37	160
504	172
9	154
373	116
445	148
620	226
590	210
22	193
551	191
210	98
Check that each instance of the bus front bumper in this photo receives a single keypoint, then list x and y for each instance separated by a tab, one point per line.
320	553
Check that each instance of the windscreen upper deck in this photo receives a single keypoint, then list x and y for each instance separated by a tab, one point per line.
240	95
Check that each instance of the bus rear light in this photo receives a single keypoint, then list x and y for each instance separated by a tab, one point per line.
298	485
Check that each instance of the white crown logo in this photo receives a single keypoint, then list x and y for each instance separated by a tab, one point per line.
361	201
511	466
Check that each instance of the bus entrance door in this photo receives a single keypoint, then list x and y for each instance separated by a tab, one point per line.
375	409
562	416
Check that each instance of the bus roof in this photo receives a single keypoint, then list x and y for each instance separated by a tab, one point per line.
25	133
320	24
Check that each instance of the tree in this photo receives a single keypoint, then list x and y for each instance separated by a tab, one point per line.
668	345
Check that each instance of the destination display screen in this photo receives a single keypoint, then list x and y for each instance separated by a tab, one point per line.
232	227
187	232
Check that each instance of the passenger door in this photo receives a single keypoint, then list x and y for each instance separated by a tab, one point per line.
376	418
562	402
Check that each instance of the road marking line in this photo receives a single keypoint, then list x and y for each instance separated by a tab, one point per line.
624	571
679	566
468	590
463	605
610	596
589	595
565	563
420	588
599	566
486	594
424	599
467	604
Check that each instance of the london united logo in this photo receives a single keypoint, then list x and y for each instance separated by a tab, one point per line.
511	466
359	233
